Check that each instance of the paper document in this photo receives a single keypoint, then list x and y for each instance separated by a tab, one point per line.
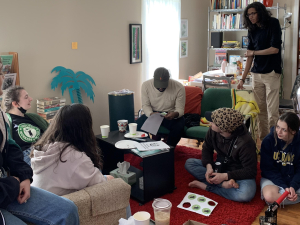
153	123
151	145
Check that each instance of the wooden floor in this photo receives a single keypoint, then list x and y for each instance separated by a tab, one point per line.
289	215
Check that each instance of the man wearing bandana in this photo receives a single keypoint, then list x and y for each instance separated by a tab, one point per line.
162	94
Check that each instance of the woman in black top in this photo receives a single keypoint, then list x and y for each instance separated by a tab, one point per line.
19	202
264	34
26	128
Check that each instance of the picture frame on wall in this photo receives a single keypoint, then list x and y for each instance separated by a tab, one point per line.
245	42
184	28
135	31
183	49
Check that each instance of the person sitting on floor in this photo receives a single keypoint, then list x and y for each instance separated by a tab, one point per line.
26	128
162	94
67	154
280	160
236	151
18	200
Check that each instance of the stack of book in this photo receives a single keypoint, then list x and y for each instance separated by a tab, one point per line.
48	107
231	4
231	44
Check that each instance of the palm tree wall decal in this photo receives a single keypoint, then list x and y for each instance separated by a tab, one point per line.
74	82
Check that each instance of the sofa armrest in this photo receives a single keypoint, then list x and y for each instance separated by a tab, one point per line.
101	198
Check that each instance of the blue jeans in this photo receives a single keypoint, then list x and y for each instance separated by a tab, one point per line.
26	154
245	192
42	208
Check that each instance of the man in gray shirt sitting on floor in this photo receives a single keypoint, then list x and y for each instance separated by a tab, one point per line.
162	94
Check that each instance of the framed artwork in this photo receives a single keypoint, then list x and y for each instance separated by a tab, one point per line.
245	42
183	49
184	28
135	31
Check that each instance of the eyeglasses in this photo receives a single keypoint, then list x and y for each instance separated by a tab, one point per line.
251	14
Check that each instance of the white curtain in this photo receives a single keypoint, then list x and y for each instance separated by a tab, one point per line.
161	21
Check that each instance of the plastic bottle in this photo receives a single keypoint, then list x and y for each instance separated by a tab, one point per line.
224	65
234	69
239	66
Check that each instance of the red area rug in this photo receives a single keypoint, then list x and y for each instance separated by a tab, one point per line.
227	212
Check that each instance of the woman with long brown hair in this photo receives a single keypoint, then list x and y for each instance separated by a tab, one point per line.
264	50
67	154
280	160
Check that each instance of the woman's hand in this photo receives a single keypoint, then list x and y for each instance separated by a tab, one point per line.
240	85
109	177
208	174
218	178
292	194
24	194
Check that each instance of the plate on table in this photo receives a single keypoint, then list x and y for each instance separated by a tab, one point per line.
125	144
139	134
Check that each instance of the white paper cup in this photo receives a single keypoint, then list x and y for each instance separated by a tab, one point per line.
104	131
141	218
132	128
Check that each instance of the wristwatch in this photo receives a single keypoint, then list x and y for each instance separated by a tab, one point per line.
243	80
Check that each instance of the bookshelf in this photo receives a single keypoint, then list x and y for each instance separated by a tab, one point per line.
15	65
241	32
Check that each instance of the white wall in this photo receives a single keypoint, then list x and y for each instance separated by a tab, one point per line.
196	13
41	31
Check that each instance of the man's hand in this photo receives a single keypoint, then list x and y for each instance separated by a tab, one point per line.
218	178
153	113
171	115
240	85
209	173
249	53
109	177
24	194
292	194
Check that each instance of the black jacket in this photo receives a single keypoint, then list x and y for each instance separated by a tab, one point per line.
12	161
243	162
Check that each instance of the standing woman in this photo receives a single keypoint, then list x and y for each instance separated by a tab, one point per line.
280	160
264	34
26	128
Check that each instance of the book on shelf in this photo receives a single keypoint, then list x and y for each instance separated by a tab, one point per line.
5	63
220	55
47	115
9	81
227	21
144	154
231	44
231	4
50	106
48	110
50	101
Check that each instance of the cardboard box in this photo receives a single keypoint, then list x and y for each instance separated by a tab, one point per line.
191	222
